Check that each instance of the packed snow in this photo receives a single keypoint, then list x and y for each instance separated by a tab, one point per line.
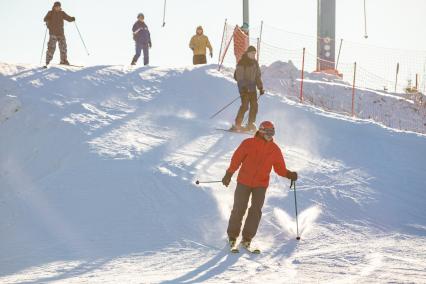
97	171
9	101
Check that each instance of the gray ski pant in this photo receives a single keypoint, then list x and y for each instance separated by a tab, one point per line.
241	198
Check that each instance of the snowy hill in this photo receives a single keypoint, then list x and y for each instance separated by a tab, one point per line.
97	171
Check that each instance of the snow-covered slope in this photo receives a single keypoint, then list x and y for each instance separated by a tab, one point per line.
97	172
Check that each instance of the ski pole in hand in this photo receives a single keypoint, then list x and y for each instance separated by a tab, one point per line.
225	107
44	42
293	184
84	44
213	181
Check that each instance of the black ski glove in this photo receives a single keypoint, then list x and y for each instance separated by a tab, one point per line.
262	92
211	54
291	175
150	45
72	19
226	180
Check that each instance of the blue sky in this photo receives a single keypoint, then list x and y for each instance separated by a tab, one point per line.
106	25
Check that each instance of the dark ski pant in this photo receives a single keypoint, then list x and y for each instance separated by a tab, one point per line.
51	47
139	49
249	98
241	199
199	59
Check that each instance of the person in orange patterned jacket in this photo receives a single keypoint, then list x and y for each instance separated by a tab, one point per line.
255	157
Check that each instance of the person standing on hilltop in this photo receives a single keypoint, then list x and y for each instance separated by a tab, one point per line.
199	43
55	23
142	38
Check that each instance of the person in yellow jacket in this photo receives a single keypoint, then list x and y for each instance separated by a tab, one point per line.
199	43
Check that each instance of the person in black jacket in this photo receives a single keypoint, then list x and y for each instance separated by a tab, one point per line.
55	23
248	76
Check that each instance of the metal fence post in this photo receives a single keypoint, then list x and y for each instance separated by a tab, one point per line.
353	91
303	75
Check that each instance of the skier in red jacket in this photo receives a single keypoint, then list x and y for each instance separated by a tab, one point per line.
255	157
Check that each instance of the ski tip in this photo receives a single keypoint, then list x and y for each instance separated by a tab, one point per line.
256	251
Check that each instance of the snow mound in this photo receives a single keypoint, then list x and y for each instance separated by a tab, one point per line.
334	94
97	174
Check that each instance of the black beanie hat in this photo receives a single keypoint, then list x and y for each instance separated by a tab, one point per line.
57	4
251	48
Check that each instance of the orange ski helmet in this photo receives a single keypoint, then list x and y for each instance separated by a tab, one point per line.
267	128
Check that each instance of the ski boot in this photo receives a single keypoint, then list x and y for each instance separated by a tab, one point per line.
236	128
251	127
233	245
246	245
65	62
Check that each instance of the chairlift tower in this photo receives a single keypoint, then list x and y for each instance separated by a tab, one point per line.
246	16
326	36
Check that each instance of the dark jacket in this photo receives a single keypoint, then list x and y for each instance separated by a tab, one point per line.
248	75
143	36
55	22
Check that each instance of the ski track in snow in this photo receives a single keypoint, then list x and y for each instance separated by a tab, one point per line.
97	171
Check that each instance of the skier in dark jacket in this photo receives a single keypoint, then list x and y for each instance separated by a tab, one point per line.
248	76
255	158
142	38
55	23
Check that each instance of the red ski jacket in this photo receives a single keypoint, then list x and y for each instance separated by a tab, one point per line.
256	156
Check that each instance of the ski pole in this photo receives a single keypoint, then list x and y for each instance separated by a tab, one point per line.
164	13
213	181
85	47
293	184
42	49
225	107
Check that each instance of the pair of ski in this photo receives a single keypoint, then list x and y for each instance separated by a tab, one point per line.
64	65
247	132
235	248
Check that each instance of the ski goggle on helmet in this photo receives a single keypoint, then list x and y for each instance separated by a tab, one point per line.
267	128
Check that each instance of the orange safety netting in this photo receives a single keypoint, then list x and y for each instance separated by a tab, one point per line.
241	43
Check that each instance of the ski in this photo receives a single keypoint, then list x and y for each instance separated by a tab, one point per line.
62	65
252	251
246	246
238	132
235	249
70	65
